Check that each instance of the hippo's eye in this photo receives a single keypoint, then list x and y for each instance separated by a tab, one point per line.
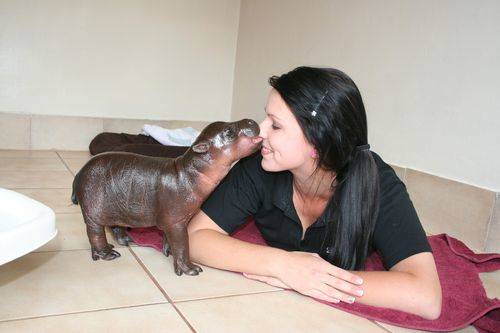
230	133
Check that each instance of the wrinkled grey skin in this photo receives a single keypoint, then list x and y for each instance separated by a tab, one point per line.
119	189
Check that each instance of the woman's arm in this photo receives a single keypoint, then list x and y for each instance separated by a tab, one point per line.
412	285
211	246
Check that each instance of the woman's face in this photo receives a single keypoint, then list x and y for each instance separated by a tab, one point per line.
284	146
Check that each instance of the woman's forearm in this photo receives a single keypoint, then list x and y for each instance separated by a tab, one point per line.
399	291
214	249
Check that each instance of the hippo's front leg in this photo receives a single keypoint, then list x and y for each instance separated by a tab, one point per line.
178	245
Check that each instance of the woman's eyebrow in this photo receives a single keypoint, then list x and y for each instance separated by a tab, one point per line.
271	115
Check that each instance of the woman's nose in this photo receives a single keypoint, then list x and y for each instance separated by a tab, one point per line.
263	129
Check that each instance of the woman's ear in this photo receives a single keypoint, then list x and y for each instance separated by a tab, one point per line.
201	147
314	153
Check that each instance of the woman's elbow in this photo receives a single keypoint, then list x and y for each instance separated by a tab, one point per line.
432	304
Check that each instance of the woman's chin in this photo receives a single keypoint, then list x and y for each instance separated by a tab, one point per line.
269	165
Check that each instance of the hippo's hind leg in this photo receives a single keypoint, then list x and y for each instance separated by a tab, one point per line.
121	236
98	243
176	242
166	247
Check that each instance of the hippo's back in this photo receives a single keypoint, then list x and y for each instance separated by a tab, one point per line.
120	186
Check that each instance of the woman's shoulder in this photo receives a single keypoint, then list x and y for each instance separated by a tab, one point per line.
387	176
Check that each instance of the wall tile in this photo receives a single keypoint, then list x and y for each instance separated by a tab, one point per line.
446	206
493	240
134	126
14	131
199	125
59	132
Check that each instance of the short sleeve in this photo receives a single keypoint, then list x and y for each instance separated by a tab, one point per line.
398	232
238	196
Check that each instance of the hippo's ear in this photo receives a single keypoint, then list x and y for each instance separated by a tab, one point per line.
201	147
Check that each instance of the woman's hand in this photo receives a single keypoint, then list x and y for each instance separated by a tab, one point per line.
267	279
311	275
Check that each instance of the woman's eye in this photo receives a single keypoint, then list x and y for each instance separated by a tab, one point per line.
274	127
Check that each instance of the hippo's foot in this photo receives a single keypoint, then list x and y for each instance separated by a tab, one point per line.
124	240
187	268
121	236
105	254
166	249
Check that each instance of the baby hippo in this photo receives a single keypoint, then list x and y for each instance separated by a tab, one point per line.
119	189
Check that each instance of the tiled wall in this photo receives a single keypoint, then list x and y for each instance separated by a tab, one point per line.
18	131
469	213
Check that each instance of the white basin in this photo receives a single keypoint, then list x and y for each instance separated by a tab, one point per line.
25	225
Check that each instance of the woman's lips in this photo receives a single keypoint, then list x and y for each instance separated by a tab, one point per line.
266	150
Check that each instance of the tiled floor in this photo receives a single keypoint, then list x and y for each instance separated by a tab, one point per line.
58	288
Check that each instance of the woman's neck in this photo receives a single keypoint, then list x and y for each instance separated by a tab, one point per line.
314	185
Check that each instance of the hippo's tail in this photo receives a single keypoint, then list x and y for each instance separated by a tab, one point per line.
73	194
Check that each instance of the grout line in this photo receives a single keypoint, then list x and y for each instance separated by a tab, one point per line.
490	222
382	327
229	296
64	162
78	312
161	289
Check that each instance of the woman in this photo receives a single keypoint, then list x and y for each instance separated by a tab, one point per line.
323	201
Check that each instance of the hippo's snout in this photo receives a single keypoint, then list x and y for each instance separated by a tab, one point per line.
249	127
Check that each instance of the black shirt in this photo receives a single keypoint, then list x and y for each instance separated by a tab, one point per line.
249	190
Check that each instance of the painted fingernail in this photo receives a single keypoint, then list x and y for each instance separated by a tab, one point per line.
360	292
336	300
359	281
350	300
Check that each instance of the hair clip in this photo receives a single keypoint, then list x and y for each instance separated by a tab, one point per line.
313	112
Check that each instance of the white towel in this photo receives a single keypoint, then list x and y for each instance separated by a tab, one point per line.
171	137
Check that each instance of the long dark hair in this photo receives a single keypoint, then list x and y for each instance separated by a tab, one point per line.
328	106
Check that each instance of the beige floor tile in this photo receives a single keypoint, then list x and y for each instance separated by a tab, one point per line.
74	154
28	153
59	199
72	235
396	329
491	283
75	164
209	283
31	164
281	311
446	206
50	283
147	318
36	179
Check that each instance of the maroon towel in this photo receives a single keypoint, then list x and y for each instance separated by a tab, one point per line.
464	298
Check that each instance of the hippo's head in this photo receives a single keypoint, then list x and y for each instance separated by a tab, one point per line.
229	141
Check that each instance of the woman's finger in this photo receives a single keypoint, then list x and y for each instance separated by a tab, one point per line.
319	295
335	293
342	286
343	274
